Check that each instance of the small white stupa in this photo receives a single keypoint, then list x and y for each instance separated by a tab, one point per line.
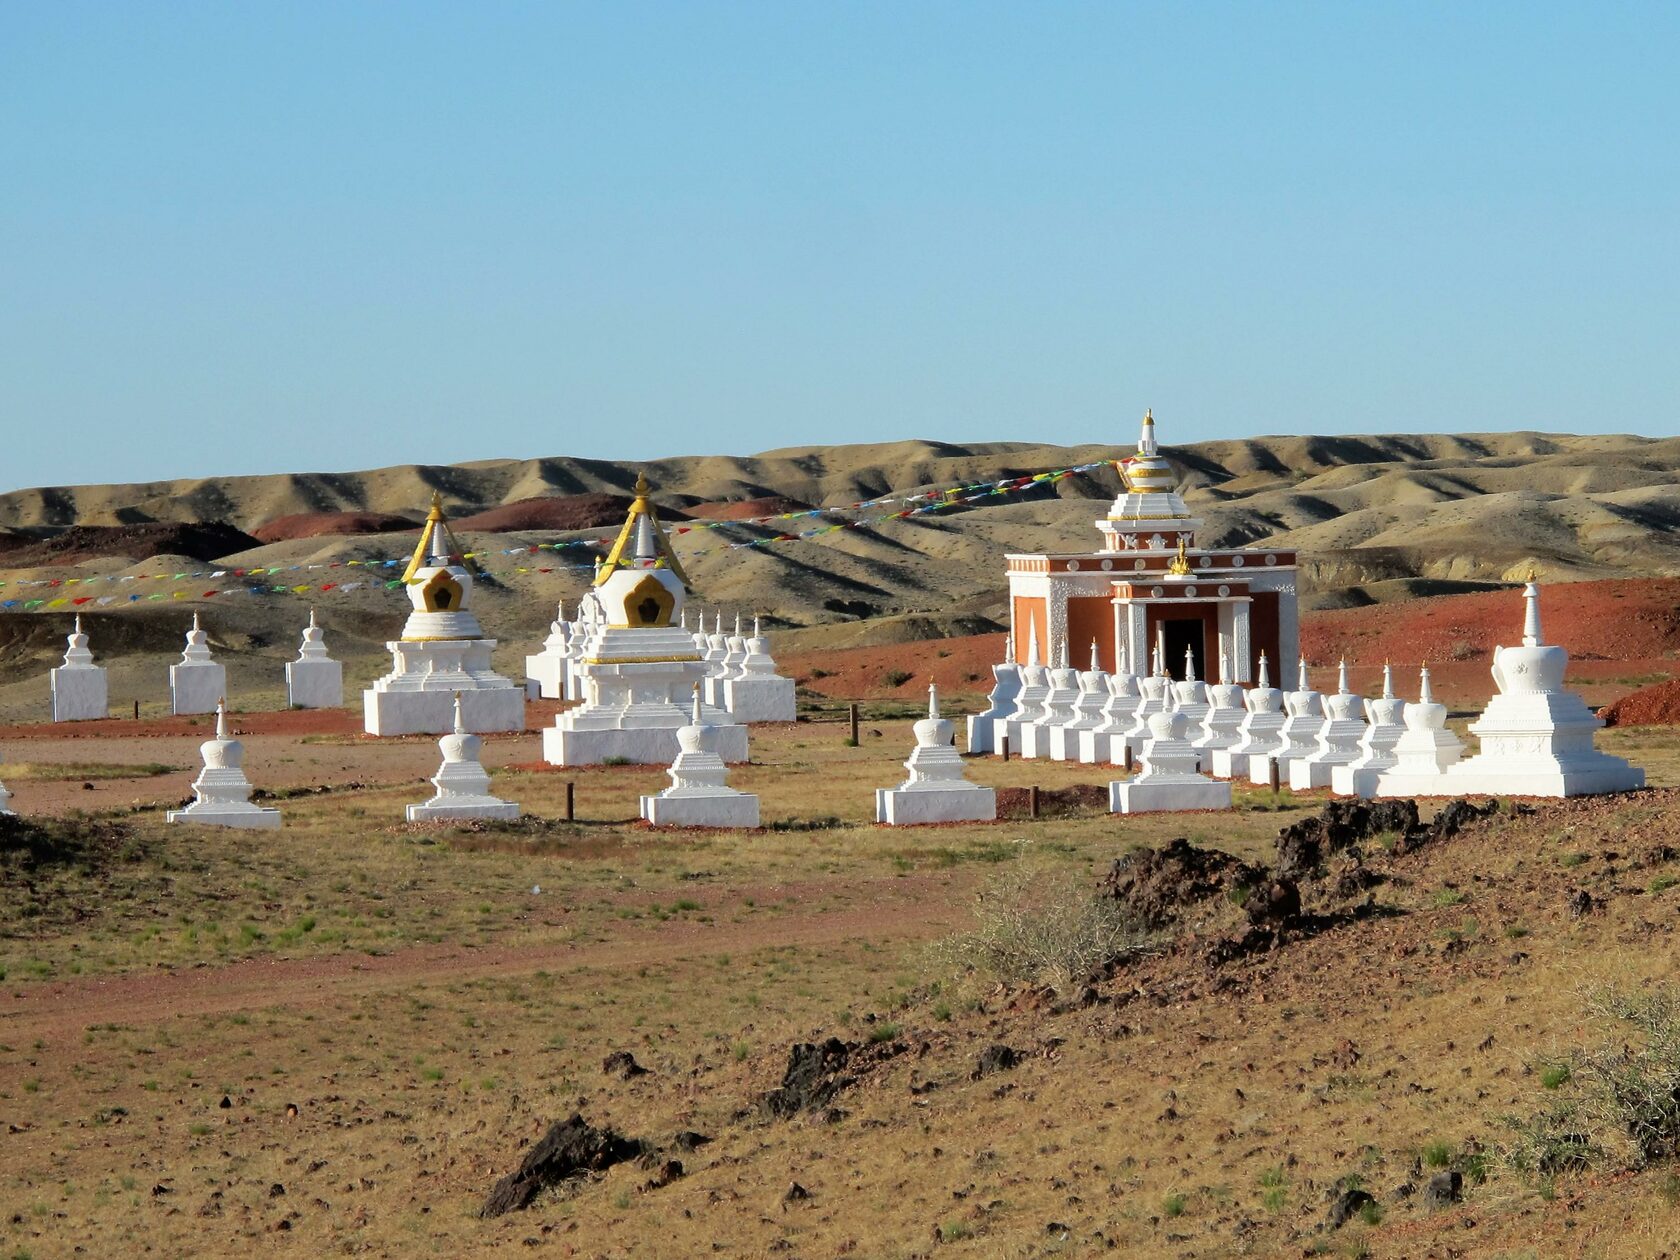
222	793
1057	711
547	668
717	645
1154	696
197	682
700	795
79	688
1222	727
1384	724
1191	698
442	651
314	680
462	782
585	630
1096	747
936	790
1168	779
1338	738
642	665
1260	732
1304	719
1086	714
756	692
1423	753
729	668
1536	738
1001	704
1029	704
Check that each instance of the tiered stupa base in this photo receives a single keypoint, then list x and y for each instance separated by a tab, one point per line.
935	804
456	807
418	697
1167	792
721	807
760	699
231	784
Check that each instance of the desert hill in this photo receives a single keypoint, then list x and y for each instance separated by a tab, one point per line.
1375	519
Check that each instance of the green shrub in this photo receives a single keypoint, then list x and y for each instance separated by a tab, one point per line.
896	677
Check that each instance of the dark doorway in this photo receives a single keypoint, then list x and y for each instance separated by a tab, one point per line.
1181	634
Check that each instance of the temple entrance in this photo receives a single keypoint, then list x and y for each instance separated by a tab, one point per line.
1186	633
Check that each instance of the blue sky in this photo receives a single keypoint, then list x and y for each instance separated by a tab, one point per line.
257	238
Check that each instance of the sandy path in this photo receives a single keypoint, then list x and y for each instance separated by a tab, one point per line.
60	1011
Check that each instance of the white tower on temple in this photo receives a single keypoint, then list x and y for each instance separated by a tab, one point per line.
222	793
1423	754
700	795
755	692
1168	779
314	680
1001	704
548	667
936	790
1384	724
79	688
1536	738
462	782
197	682
442	651
1338	738
642	665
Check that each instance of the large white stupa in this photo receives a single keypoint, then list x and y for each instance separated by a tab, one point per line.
79	688
641	666
1536	738
442	651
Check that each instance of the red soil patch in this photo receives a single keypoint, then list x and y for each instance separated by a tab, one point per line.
559	512
746	509
322	524
962	665
1649	706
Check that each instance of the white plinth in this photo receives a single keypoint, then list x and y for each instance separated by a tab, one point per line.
432	712
315	684
463	808
1141	796
79	693
1308	774
641	745
760	699
225	814
696	809
197	688
949	803
548	671
1260	769
1541	744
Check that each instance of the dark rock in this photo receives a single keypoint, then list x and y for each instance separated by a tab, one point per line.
994	1058
1345	1206
622	1064
1158	885
226	1103
1581	904
1458	814
1303	847
1274	903
569	1147
276	1191
796	1193
690	1141
668	1172
814	1075
1443	1190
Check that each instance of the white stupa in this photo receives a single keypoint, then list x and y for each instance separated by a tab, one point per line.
1338	738
1259	734
547	669
1086	713
1029	703
462	782
1190	697
442	651
729	668
1063	690
1168	779
642	665
1096	747
755	692
700	795
1154	696
717	645
1298	738
222	793
1536	738
936	790
1001	704
314	680
585	630
197	682
1222	726
1424	751
1384	724
79	688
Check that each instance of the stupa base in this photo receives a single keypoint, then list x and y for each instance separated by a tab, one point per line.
1468	777
735	810
637	745
480	807
1360	781
433	712
227	816
901	807
1142	796
759	699
1260	768
1065	742
196	688
1307	775
315	684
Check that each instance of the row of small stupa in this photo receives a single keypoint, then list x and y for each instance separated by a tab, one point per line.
628	656
1536	737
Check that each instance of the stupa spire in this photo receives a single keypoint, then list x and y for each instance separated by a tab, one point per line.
437	547
1189	664
1032	643
640	540
1096	661
933	700
1301	683
1531	613
1341	677
1425	695
1388	681
1264	680
221	718
1146	439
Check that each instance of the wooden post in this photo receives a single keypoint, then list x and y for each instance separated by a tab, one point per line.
852	718
1273	771
571	800
1131	763
1003	745
1032	801
136	710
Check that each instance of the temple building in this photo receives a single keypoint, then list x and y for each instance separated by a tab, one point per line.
1149	578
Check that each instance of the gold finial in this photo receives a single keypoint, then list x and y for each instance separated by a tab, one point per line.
1180	566
1533	573
1149	415
436	513
641	483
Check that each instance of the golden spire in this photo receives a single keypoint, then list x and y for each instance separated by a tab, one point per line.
426	548
624	546
1180	566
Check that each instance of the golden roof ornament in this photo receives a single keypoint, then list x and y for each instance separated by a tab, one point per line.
427	549
624	547
1180	566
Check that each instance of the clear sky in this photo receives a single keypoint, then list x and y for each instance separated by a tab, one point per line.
279	236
